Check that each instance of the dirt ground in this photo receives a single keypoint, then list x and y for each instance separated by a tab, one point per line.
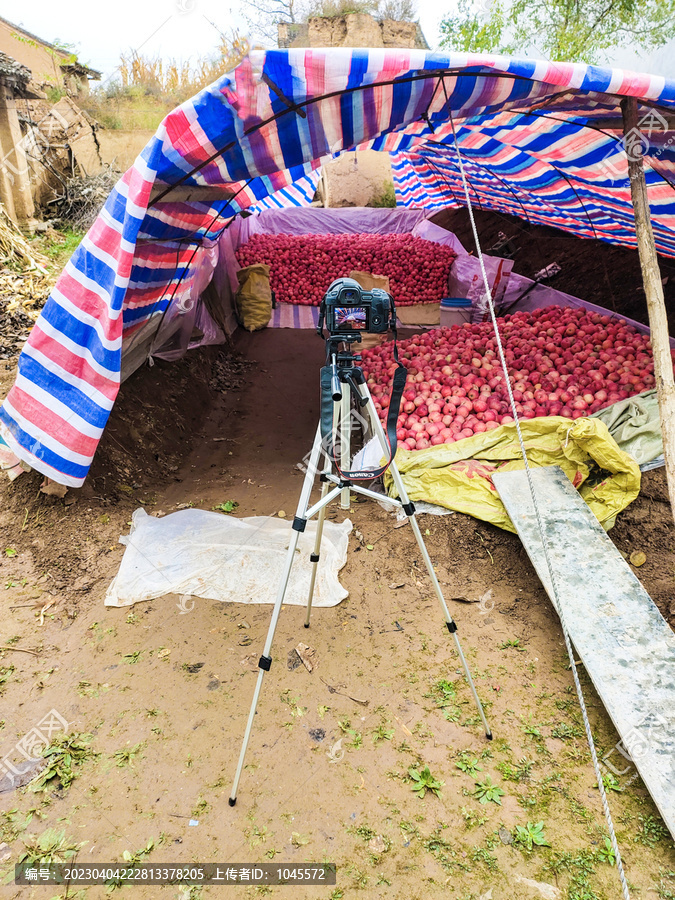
164	693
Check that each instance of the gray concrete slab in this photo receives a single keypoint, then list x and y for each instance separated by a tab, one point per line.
625	644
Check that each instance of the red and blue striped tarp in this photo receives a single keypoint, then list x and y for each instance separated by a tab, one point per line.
541	140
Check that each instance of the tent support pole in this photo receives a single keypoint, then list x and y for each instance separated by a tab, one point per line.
651	277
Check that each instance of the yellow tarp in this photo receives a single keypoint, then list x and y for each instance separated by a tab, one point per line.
459	476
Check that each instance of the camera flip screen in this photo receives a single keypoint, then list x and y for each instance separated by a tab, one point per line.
351	318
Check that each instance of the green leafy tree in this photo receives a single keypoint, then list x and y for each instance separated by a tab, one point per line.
474	31
572	30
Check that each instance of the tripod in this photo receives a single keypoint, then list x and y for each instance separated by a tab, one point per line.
346	381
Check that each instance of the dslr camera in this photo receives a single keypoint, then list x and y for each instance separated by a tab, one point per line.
349	310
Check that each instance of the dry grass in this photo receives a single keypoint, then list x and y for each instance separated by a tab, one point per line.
149	87
177	81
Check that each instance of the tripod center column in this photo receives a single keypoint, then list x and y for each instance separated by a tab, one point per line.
345	439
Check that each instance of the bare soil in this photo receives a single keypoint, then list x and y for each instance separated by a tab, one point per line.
594	270
233	424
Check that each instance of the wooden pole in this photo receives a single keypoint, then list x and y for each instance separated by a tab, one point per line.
651	277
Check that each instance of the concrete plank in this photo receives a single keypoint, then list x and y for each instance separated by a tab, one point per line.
625	644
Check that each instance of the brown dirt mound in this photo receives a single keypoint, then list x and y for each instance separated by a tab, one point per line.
593	270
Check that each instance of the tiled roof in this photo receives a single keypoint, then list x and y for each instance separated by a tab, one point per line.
13	70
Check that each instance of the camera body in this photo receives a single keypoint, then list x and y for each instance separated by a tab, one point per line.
350	310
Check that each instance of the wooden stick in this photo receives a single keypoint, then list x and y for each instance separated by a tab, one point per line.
651	277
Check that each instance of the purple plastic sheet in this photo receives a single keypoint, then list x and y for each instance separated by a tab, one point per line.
374	221
543	295
351	220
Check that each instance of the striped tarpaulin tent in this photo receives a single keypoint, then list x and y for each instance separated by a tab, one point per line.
541	140
300	193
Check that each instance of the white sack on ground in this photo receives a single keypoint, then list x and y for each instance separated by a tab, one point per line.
218	557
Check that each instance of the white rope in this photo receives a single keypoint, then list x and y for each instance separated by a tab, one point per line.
554	586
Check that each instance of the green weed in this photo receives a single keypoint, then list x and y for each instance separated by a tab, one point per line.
481	854
650	831
51	846
606	853
382	733
5	673
468	763
665	891
227	507
364	831
440	849
520	772
486	791
514	643
579	866
127	755
472	819
610	783
424	781
565	731
532	729
530	835
134	858
64	752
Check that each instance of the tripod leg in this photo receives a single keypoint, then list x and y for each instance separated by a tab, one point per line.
314	558
266	660
450	623
410	511
264	663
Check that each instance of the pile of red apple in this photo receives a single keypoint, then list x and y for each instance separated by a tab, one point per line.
302	267
561	361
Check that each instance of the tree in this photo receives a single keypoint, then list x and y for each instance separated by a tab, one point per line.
263	16
472	31
571	30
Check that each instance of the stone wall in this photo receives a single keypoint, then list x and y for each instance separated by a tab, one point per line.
356	178
353	30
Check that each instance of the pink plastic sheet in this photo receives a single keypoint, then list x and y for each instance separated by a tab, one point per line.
309	220
187	324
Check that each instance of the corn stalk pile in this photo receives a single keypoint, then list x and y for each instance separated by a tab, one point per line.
25	285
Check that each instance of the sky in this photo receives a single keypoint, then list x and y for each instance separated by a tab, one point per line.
182	29
177	29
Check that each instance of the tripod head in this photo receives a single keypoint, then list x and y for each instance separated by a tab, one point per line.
340	365
345	353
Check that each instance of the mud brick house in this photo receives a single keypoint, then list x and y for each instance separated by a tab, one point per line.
15	187
50	66
39	118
